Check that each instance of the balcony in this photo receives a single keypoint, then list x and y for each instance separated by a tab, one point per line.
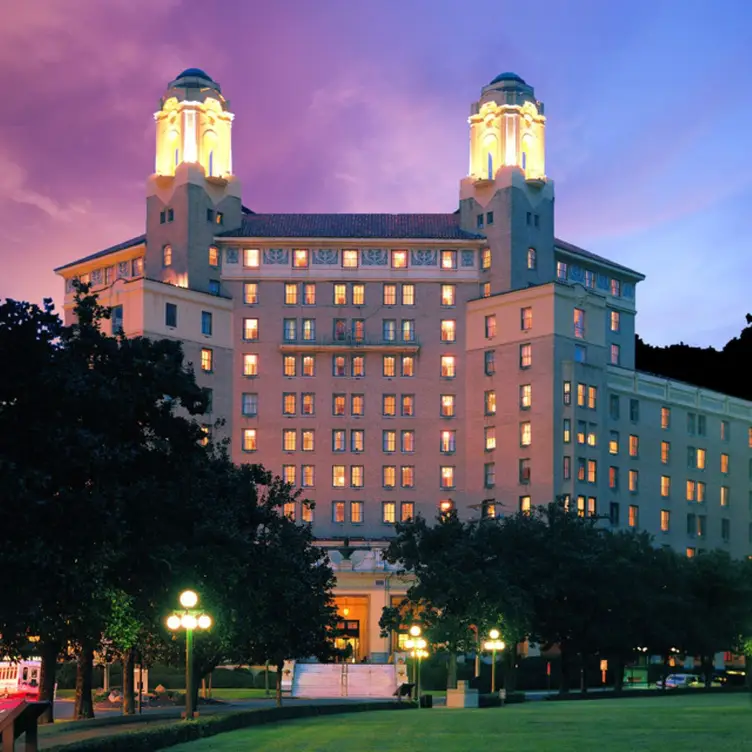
348	343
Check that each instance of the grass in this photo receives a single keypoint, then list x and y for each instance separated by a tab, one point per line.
689	724
227	695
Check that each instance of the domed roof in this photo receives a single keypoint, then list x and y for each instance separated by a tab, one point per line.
193	73
508	76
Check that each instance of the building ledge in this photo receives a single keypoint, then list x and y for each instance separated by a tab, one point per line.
350	345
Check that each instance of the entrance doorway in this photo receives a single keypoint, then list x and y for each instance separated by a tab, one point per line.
349	640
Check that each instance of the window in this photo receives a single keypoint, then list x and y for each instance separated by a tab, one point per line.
389	366
307	473
448	442
701	425
250	293
616	287
665	486
407	476
592	397
665	452
407	367
614	321
526	355
489	362
613	406
339	330
291	293
349	259
526	318
340	294
525	504
526	397
591	471
613	513
567	467
219	217
356	512
523	470
447	476
448	367
288	474
724	464
691	487
309	330
561	270
634	410
701	459
213	256
407	442
691	552
448	297
300	259
725	496
634	515
289	439
567	393
358	330
251	328
408	405
489	438
489	402
171	315
691	424
399	259
338	440
665	418
485	290
388	441
308	403
339	404
615	355
356	476
725	430
389	330
448	330
613	478
249	440
357	440
308	442
613	442
408	330
338	512
581	431
390	294
526	433
580	354
447	405
485	256
449	259
634	446
579	323
490	326
207	359
358	295
665	520
581	395
309	293
407	511
289	366
532	260
591	436
251	258
589	278
289	401
389	405
309	365
358	367
338	476
250	364
725	529
634	481
206	323
389	476
489	475
567	431
408	294
700	492
167	255
479	218
389	512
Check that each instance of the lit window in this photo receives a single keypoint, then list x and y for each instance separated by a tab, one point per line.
390	294
340	294
485	290
408	365
525	504
399	259
308	403
389	405
526	355
448	297
408	294
526	318
339	403
167	255
447	405
213	256
665	486
634	481
691	486
615	355
408	405
356	512
407	442
614	321
532	261
289	440
300	259
338	440
338	476
358	365
357	440
448	442
616	287
251	329
485	258
250	293
338	511
725	496
407	511
250	364
724	463
690	552
407	476
289	366
449	259
567	431
389	366
309	365
357	404
613	442
447	476
447	367
388	441
358	328
309	293
665	418
249	440
701	459
634	446
288	474
489	402
634	515
489	438
408	330
579	323
309	330
289	402
526	433
291	293
490	326
613	477
581	395
591	437
448	330
356	476
308	476
700	491
207	359
358	295
389	512
446	506
665	452
251	258
350	259
561	270
592	398
308	440
581	431
526	397
339	365
389	476
567	393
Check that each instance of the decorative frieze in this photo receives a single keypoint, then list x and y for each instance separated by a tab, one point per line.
276	256
328	256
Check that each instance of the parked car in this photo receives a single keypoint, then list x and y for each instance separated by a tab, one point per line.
718	680
674	681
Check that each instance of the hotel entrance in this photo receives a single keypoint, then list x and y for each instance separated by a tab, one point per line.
352	624
349	640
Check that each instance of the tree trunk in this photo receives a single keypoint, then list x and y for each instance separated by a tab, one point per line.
748	671
510	668
564	679
665	671
83	706
129	659
708	670
48	651
452	671
280	666
618	674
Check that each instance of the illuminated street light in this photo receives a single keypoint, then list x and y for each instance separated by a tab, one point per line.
188	619
417	647
493	645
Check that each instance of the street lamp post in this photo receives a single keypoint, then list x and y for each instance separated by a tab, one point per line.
189	619
417	647
493	645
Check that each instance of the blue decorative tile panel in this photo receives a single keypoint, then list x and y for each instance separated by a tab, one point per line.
96	277
374	257
468	258
276	256
577	274
328	256
123	270
232	255
424	257
628	290
602	282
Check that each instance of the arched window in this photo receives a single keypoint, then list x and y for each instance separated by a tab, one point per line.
167	255
524	160
532	261
211	163
176	157
490	166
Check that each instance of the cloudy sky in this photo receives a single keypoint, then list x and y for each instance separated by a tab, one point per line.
362	105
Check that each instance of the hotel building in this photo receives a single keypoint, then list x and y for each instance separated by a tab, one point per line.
394	365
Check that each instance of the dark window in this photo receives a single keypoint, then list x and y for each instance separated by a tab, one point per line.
116	317
206	323
479	220
170	215
214	286
171	314
162	217
210	215
489	218
613	513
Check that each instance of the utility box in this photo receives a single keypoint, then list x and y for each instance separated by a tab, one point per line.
462	697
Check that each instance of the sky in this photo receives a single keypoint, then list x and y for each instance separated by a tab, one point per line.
362	106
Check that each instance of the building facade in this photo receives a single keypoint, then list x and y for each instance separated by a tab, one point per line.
395	365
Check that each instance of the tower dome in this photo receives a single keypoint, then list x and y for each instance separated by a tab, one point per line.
513	90
194	78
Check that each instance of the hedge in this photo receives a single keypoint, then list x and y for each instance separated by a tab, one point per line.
161	737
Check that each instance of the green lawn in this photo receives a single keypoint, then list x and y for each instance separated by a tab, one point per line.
689	724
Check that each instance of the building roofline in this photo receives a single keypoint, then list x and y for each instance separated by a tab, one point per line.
124	246
573	250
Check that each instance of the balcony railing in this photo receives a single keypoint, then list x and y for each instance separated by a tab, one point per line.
348	342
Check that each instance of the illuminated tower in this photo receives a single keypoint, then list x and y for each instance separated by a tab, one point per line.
192	194
506	194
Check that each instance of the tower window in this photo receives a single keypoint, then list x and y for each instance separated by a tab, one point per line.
479	220
532	260
489	218
490	166
210	215
213	256
167	256
211	163
171	314
162	217
176	157
170	215
524	160
220	218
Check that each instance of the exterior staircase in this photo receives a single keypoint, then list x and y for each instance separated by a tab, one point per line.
344	680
